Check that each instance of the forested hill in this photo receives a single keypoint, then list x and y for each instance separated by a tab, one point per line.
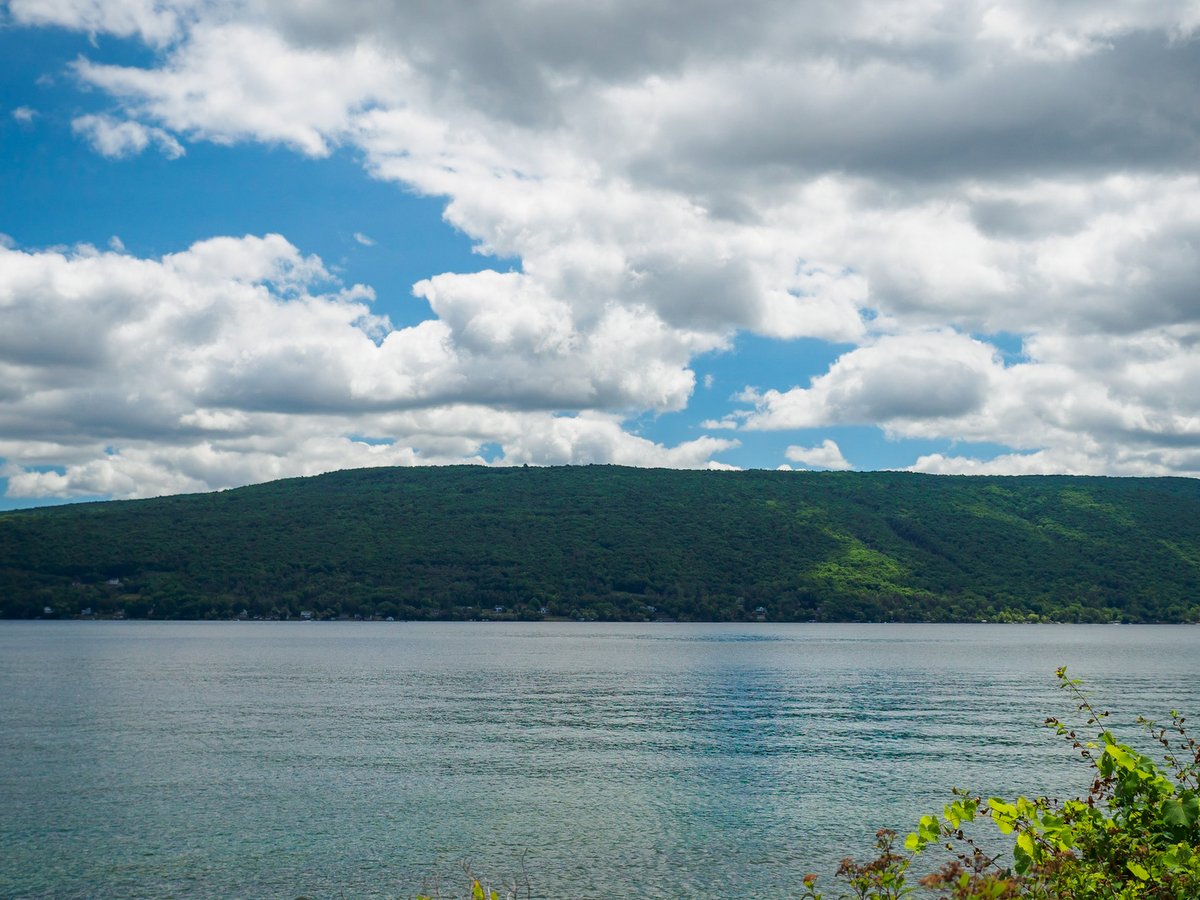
616	543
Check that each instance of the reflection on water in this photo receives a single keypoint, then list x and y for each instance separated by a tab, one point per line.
276	759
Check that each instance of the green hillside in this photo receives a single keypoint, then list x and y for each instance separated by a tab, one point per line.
617	543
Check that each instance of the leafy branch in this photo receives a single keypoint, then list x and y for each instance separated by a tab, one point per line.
1135	834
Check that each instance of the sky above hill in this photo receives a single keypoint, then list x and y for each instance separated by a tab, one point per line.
249	239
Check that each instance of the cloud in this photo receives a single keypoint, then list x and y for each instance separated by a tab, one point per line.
232	82
154	21
24	114
241	359
1038	463
1089	405
249	329
118	139
297	448
897	179
576	440
827	455
688	178
917	377
363	239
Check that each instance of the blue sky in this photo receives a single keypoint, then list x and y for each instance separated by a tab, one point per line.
253	241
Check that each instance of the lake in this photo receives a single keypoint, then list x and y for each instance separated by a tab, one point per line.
280	759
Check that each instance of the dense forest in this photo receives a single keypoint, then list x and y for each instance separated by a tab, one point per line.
606	542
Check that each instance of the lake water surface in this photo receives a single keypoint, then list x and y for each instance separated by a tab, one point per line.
151	759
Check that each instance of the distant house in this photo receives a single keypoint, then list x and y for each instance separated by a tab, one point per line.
498	609
306	615
115	582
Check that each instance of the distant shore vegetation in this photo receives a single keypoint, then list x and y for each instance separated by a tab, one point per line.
619	544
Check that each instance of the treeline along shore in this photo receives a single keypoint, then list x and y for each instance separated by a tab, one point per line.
614	543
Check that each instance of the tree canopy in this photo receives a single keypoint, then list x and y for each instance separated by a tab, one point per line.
614	543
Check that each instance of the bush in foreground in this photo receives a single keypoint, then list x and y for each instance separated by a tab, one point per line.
1135	835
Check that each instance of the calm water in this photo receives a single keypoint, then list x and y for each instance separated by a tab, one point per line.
278	759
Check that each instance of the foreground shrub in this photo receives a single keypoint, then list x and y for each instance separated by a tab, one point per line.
1135	835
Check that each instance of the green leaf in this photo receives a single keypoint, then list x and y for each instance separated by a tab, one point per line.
1191	809
1121	756
1025	842
998	805
1138	870
1021	861
1174	814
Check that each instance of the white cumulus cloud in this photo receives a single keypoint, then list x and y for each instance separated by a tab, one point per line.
152	20
240	359
117	138
826	455
915	377
911	180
